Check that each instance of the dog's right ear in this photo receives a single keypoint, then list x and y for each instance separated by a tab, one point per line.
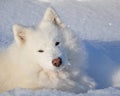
52	16
19	34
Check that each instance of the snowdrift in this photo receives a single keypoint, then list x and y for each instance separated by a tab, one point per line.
24	92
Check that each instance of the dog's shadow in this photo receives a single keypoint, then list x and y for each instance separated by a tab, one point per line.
103	60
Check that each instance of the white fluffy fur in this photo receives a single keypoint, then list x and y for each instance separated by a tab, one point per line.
22	66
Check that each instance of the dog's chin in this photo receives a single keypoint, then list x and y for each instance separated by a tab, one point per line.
63	67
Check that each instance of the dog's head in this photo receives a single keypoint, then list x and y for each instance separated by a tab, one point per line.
44	44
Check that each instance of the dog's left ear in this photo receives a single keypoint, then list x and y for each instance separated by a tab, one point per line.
19	34
51	16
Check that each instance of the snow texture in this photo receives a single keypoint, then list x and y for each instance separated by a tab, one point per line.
96	22
25	92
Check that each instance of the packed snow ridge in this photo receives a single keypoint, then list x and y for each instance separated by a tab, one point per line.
25	92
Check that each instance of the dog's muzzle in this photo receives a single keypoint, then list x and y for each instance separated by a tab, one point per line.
57	62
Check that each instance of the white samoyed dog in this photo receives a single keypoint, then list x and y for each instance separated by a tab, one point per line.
47	56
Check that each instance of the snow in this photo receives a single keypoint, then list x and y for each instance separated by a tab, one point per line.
24	92
96	22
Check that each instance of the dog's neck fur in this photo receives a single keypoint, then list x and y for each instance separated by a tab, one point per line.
32	75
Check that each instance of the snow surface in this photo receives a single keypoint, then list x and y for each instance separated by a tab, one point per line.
96	22
25	92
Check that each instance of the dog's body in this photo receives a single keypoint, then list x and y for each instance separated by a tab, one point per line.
46	56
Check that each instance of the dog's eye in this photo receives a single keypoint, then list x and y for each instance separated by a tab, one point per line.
57	43
41	51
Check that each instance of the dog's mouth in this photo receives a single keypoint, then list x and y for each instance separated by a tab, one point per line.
64	67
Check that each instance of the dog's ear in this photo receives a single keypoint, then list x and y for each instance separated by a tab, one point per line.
51	16
19	34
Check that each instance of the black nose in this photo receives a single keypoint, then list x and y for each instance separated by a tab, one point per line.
57	62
